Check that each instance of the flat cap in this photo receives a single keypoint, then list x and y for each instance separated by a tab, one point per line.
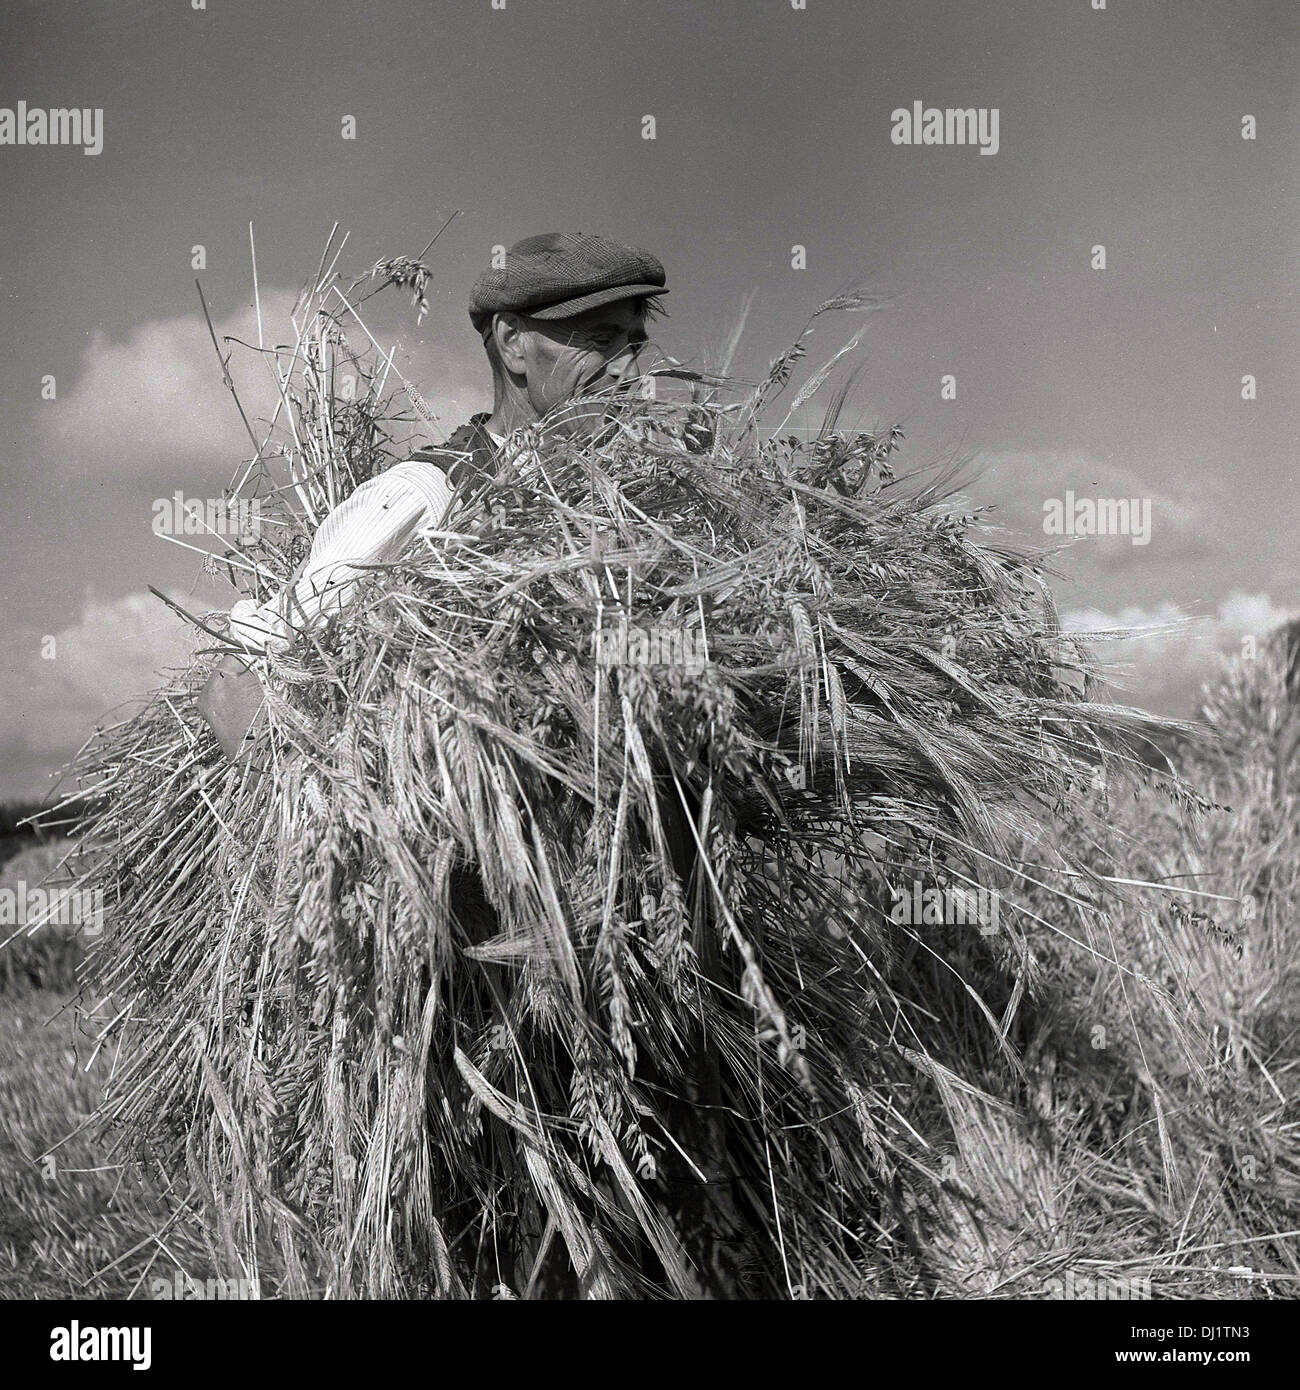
558	274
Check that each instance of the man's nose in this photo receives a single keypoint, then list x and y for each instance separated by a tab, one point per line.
625	365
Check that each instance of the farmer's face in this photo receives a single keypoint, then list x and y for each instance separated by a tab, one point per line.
590	352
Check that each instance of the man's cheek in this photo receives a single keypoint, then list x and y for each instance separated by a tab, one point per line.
561	376
542	381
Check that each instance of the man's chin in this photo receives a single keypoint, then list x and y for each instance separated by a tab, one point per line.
585	424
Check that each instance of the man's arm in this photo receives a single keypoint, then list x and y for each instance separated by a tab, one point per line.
371	527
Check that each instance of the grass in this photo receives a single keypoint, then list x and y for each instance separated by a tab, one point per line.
74	1222
47	957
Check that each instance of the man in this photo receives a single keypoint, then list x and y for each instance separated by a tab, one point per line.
562	321
564	316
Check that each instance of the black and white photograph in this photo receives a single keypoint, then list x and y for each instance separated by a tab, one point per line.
650	652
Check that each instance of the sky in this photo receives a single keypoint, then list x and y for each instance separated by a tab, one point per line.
1120	127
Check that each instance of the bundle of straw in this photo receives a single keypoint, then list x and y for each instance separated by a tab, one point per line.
551	942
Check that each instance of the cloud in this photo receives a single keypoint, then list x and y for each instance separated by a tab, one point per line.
55	687
155	407
1169	657
1020	484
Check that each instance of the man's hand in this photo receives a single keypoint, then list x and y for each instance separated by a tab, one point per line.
229	702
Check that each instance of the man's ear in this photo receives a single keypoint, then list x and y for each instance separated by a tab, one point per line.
508	331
